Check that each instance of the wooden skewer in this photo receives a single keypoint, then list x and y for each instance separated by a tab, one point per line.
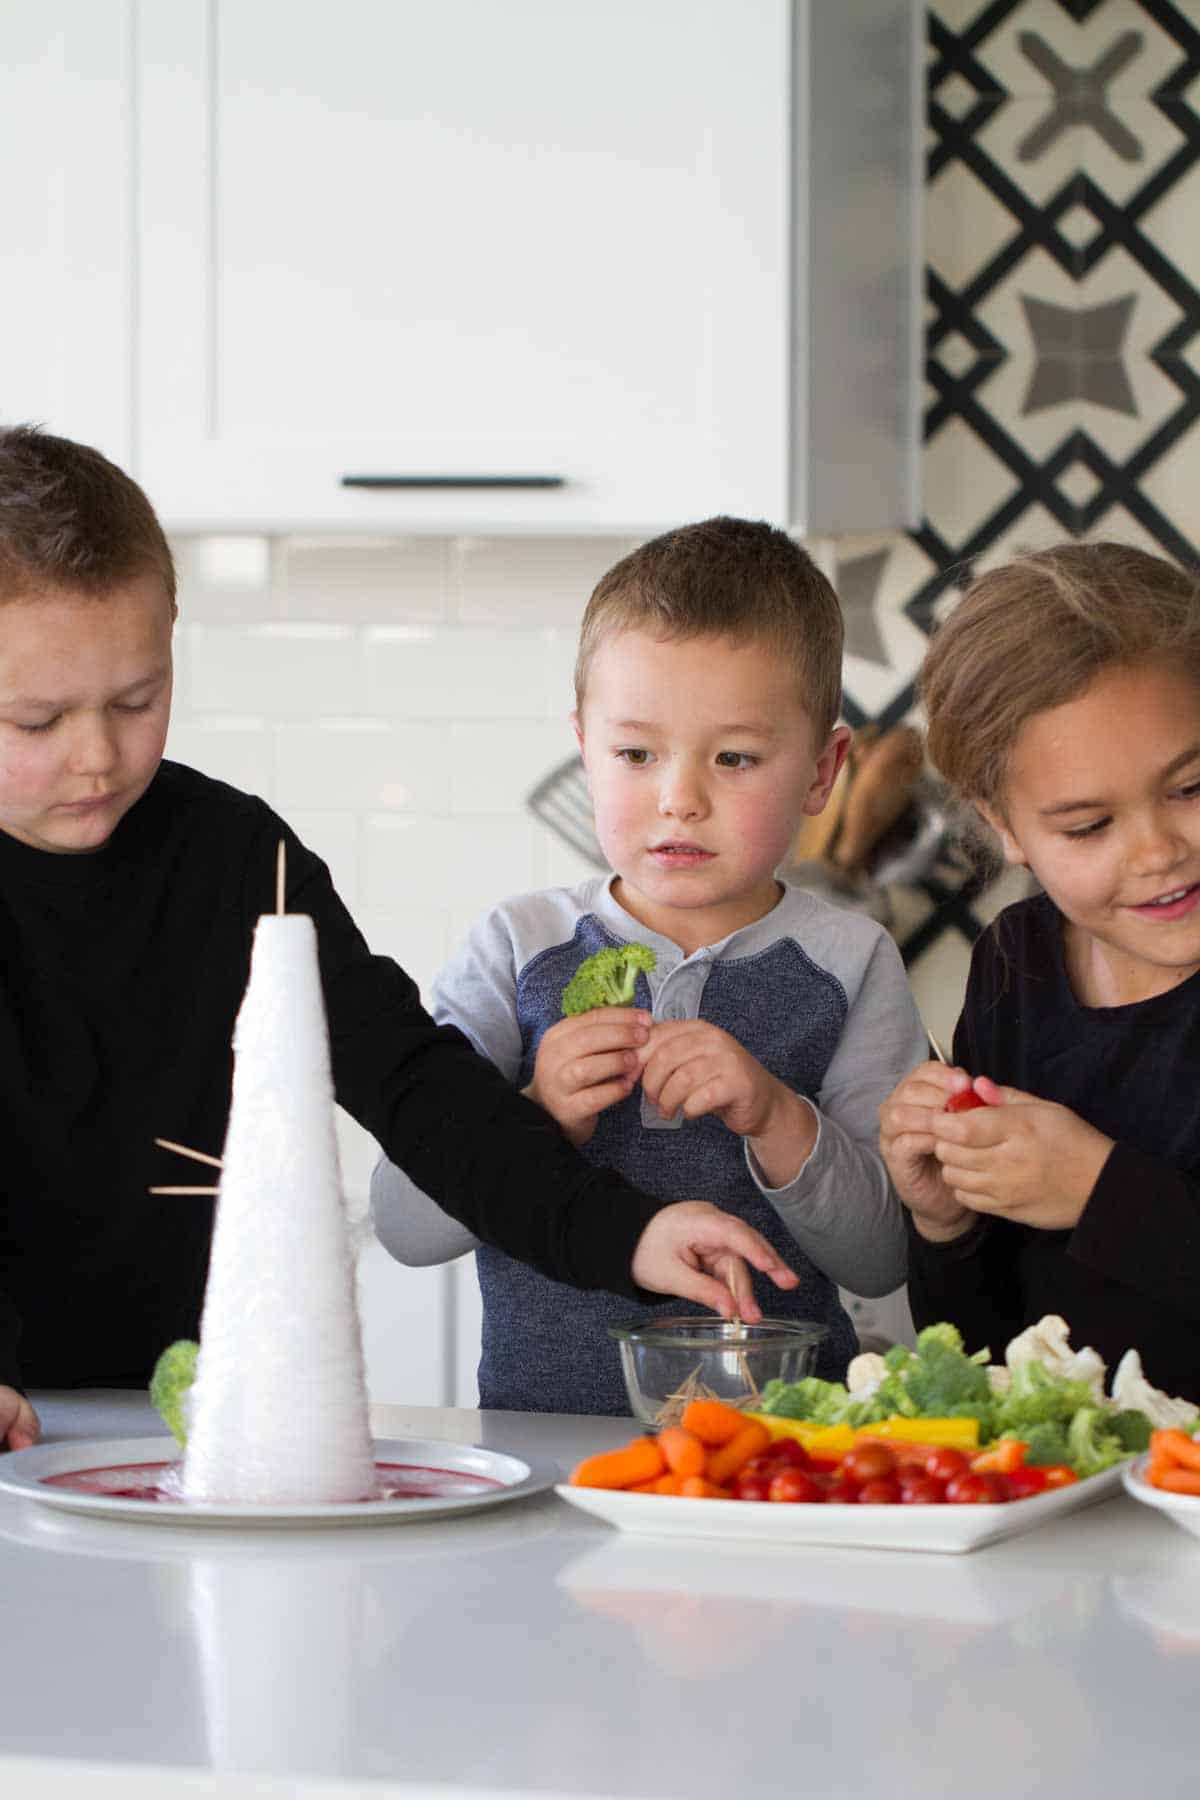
281	876
183	1190
200	1156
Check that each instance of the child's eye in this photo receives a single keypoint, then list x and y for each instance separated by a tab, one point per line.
46	725
736	759
1191	791
636	758
1087	831
132	706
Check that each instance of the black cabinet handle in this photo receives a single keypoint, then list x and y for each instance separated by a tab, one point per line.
453	481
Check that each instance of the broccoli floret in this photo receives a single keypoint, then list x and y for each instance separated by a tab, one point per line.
1036	1396
1091	1444
607	978
1131	1428
897	1358
171	1383
819	1402
943	1382
1047	1442
948	1336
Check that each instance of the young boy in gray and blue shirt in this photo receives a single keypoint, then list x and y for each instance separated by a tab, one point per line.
757	1051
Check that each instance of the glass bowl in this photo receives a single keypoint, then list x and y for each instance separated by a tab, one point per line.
667	1362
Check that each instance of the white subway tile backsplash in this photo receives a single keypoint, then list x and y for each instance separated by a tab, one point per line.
529	580
363	765
239	751
334	836
417	937
223	577
464	864
385	580
461	673
290	670
494	766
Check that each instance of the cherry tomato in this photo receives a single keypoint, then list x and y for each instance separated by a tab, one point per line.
922	1490
786	1453
758	1466
970	1490
884	1490
868	1462
964	1102
944	1464
793	1485
751	1487
1024	1482
843	1491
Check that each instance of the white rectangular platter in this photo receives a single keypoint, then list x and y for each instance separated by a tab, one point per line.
953	1529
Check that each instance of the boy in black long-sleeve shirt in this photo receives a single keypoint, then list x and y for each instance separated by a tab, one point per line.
129	888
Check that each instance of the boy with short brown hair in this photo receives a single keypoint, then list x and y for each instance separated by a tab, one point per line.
758	1049
129	890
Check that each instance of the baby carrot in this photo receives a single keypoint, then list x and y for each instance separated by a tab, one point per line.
639	1460
662	1484
728	1459
683	1450
1180	1481
695	1487
712	1421
1181	1448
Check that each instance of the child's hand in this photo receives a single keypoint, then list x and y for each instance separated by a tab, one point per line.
19	1424
699	1253
695	1068
908	1145
1027	1159
587	1063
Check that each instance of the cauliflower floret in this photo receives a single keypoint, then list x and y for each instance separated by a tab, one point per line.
865	1373
1048	1342
999	1378
1130	1389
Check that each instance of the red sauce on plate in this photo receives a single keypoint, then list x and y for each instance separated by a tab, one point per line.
395	1481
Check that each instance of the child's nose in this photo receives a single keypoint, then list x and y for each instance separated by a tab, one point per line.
681	795
93	746
1158	845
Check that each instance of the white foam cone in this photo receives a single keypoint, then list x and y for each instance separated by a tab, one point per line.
279	1406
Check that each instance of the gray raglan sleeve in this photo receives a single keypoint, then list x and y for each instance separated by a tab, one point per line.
841	1207
476	991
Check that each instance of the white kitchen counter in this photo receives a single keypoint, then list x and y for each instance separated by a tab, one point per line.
530	1650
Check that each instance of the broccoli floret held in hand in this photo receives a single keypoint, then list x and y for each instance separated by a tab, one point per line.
171	1383
607	978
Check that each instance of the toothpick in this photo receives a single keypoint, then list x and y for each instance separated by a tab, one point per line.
280	876
199	1156
183	1190
937	1048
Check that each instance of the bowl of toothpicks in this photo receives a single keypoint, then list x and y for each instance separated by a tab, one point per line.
667	1362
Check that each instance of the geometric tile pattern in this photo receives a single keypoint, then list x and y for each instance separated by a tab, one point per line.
1063	305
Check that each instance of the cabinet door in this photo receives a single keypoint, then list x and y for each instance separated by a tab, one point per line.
482	238
64	219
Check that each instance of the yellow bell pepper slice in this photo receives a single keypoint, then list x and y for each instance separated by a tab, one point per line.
835	1440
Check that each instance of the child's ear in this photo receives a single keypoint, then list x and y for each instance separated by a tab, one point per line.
829	767
577	728
1013	852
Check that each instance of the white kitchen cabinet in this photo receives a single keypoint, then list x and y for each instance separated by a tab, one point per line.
624	264
65	216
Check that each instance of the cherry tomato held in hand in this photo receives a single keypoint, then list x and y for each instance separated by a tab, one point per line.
793	1485
964	1102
